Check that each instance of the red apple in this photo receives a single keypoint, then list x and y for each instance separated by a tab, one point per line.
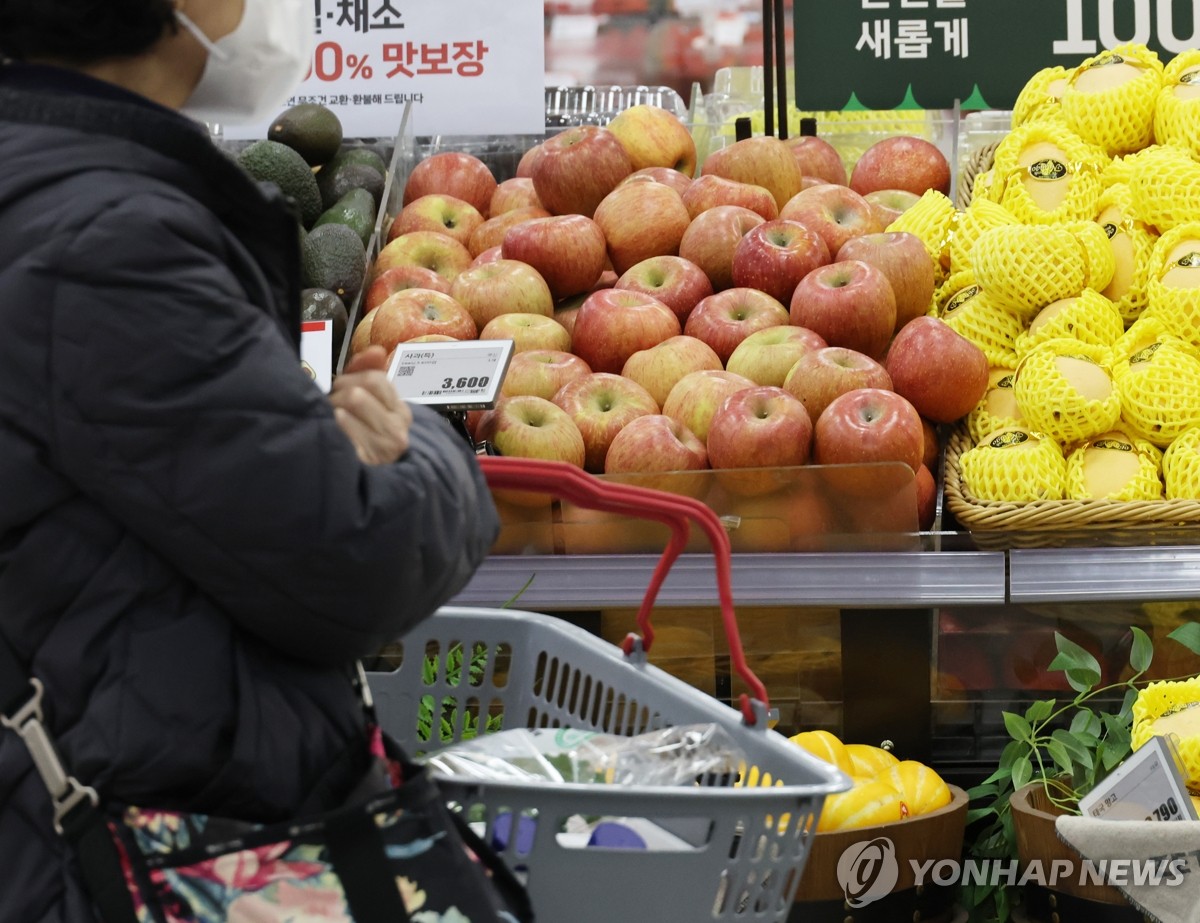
848	303
817	157
837	213
902	257
767	355
890	204
658	368
943	374
725	319
429	249
532	427
514	192
568	250
490	255
678	283
655	442
697	395
655	137
501	287
577	168
361	338
868	425
763	427
437	212
491	232
712	237
763	161
601	404
613	324
525	164
926	498
566	315
666	175
542	372
398	278
641	220
527	331
454	173
415	312
901	162
821	375
933	446
711	190
776	255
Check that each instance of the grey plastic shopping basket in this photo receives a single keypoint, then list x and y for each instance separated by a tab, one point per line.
739	845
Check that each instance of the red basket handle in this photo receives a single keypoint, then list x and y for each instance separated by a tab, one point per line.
570	483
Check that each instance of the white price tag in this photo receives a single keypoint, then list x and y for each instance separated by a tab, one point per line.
451	376
1147	786
316	351
469	67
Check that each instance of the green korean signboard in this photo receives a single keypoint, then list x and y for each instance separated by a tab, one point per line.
885	54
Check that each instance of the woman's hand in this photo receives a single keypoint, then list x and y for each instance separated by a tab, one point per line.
368	409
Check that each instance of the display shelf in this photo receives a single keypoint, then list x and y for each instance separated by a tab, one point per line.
1074	575
850	579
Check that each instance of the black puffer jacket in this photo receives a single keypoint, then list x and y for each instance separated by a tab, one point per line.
191	553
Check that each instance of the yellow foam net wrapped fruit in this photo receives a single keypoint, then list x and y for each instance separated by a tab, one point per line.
1181	466
1177	111
1014	465
966	307
1114	466
1158	378
1171	708
1088	317
931	218
1065	390
1041	97
1173	284
978	217
1165	188
1109	99
997	408
1046	174
1132	244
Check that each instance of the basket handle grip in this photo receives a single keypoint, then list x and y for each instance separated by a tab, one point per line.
571	483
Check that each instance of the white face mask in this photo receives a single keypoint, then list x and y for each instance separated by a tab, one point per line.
251	71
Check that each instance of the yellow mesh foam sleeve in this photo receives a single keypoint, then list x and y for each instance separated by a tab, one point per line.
1178	308
1177	111
982	420
1158	378
1014	465
1161	700
1079	165
1041	96
1119	118
986	187
1097	253
978	217
1028	266
1088	316
1165	188
931	218
1118	170
1144	484
967	308
1131	242
1181	466
1053	404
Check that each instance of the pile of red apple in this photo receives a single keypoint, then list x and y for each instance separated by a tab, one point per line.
755	315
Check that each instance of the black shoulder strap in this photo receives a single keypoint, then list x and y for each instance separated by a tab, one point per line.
77	815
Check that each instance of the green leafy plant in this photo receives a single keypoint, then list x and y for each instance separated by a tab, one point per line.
1067	745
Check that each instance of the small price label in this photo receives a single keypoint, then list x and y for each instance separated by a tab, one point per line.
1147	786
451	376
316	351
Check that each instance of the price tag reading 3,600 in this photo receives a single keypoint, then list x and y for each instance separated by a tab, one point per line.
451	376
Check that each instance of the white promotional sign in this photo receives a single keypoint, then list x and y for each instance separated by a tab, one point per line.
469	67
316	351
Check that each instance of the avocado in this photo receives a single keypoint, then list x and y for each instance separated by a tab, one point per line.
322	304
333	182
334	258
361	155
310	129
356	209
270	161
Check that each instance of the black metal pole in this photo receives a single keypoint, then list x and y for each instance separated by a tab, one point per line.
781	93
768	74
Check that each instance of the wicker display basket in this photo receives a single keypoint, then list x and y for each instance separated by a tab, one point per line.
1064	523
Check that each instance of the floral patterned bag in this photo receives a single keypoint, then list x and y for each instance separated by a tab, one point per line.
398	855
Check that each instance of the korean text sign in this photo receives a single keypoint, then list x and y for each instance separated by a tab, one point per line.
468	66
979	52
